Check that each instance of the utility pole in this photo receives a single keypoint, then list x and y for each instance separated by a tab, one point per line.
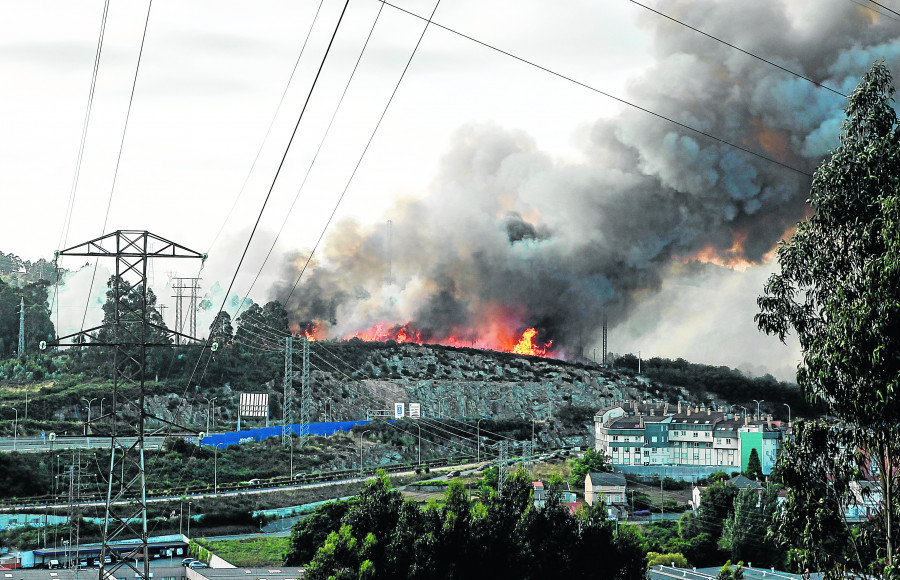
605	322
390	227
130	332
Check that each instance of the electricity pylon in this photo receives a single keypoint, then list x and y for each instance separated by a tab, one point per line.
130	332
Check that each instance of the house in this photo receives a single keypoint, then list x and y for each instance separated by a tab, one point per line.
608	486
541	490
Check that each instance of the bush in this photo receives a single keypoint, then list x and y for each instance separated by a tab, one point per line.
657	559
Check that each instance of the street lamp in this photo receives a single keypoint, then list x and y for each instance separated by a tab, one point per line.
757	406
441	404
87	425
15	427
189	520
216	469
327	401
789	413
208	405
419	425
361	433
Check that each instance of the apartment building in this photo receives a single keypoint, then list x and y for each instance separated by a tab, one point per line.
631	433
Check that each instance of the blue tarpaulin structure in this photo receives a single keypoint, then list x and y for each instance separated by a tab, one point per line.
251	435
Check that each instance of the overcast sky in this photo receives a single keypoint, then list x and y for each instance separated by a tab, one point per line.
212	75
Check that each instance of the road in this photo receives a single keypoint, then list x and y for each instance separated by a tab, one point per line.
35	444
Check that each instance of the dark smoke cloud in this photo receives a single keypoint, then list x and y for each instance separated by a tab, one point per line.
508	230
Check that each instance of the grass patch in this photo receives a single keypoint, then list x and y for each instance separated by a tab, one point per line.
250	552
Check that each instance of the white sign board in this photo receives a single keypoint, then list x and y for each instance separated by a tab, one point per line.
254	405
415	410
398	410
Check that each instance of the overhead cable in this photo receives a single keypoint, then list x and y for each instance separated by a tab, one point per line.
363	154
601	92
739	49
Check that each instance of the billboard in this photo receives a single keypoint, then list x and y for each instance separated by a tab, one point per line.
254	405
415	410
398	410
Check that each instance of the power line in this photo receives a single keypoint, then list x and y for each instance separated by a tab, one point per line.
64	235
861	4
271	124
363	154
316	156
278	170
604	93
885	7
748	53
112	188
67	220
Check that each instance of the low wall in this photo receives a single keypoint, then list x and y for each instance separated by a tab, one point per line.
679	472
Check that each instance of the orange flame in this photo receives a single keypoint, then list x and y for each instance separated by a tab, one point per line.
494	335
527	346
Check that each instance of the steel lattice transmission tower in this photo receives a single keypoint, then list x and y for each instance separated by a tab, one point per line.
502	467
305	394
21	352
129	331
180	285
287	384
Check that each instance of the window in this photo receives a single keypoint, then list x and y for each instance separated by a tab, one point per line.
695	434
646	453
615	437
718	441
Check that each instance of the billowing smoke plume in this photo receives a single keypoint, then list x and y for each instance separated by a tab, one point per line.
507	238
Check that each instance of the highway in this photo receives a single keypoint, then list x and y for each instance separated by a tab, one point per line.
36	444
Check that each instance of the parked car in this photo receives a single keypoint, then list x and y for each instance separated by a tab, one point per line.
254	482
54	565
187	561
481	467
453	474
197	564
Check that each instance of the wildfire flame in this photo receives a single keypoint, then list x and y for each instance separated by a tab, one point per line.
527	346
493	336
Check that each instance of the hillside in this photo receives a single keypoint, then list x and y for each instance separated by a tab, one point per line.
352	377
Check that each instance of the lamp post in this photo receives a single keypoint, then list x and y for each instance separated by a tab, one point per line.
15	427
327	401
189	520
209	403
216	469
87	425
757	406
361	433
420	443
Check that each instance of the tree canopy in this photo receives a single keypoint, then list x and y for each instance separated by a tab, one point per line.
839	291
